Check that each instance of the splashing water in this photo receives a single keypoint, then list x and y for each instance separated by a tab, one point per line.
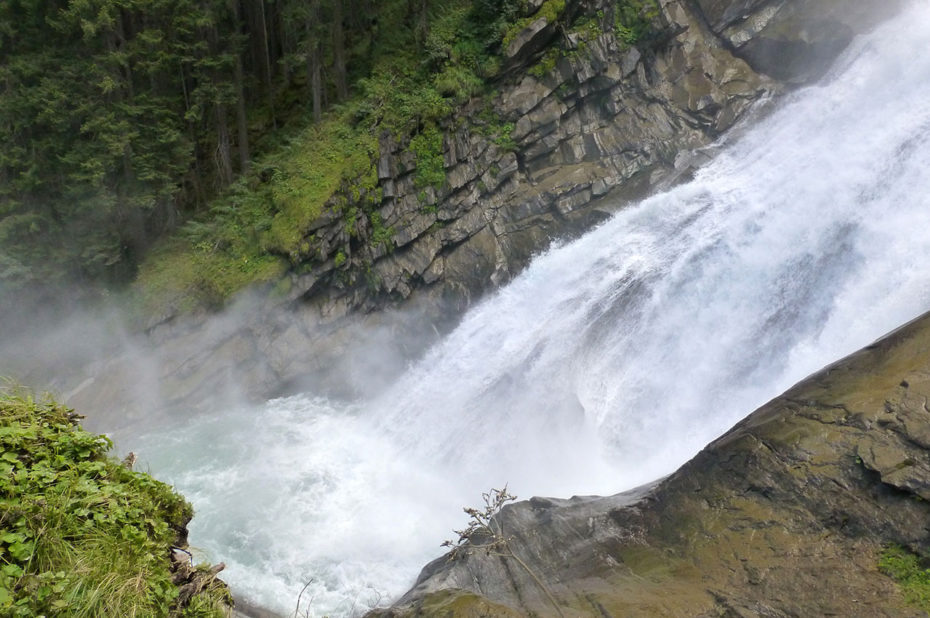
608	363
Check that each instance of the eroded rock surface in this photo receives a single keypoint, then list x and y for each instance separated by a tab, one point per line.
608	119
785	515
792	40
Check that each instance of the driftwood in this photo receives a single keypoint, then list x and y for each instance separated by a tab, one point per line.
191	580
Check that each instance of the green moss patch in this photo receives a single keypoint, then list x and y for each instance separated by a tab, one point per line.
910	573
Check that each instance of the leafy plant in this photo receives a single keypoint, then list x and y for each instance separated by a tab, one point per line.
634	20
546	64
80	534
427	146
381	235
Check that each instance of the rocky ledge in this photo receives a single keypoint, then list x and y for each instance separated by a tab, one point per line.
785	515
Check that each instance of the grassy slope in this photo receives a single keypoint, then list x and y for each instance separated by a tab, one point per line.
81	534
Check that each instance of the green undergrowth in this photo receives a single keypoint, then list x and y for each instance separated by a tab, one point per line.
635	20
80	534
309	170
259	226
911	574
181	276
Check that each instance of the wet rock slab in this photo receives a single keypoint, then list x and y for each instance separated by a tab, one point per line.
784	515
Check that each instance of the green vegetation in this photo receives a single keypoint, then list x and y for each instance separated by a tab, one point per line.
911	574
422	67
80	534
488	123
427	146
252	232
546	64
550	10
381	235
189	146
308	172
634	20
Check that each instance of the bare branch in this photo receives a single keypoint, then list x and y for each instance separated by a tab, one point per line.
485	526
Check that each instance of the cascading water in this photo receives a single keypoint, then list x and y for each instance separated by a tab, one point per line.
607	363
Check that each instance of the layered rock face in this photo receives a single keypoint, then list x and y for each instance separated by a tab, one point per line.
606	119
605	123
785	515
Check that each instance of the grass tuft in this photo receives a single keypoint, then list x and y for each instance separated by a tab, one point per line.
910	573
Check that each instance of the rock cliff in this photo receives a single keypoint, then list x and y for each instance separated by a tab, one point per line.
593	117
785	515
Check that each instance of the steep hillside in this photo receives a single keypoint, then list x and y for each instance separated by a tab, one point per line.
453	189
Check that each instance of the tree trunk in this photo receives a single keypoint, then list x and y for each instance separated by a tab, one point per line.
314	78
339	53
423	24
314	59
196	178
242	125
266	52
222	156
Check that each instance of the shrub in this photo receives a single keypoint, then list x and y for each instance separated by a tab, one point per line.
427	147
485	533
634	20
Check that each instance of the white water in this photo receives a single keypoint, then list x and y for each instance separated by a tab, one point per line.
608	363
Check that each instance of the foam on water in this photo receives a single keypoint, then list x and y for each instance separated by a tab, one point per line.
609	362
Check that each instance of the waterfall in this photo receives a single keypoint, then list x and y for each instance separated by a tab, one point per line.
608	363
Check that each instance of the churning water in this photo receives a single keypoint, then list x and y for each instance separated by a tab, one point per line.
608	363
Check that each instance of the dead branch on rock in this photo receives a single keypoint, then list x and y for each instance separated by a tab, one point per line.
485	532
